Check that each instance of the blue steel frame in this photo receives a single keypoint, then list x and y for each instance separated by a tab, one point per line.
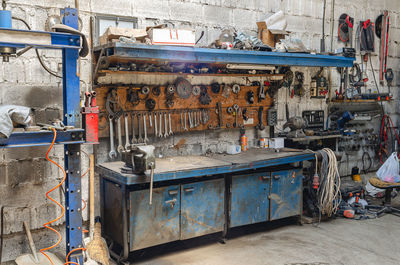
72	117
41	138
70	45
220	56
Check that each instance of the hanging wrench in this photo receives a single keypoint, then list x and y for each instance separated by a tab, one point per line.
140	139
145	140
160	134
120	147
169	122
185	128
165	125
150	119
155	124
197	118
127	143
134	140
112	153
236	108
190	114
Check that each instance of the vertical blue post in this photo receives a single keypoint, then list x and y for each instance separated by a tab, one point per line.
71	97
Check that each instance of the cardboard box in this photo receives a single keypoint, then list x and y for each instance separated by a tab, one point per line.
113	33
268	37
178	37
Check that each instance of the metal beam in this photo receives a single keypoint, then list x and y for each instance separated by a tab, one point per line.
38	39
220	56
72	161
27	139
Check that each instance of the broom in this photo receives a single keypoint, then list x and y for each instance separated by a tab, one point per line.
97	247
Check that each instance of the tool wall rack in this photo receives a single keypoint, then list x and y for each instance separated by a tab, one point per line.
203	117
118	58
71	139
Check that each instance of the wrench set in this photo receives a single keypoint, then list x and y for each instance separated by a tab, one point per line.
159	124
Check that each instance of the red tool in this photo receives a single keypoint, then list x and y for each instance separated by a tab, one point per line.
90	118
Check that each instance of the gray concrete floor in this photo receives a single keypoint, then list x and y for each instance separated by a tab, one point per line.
339	241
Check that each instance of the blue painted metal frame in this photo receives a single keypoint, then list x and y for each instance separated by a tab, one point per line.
72	139
72	117
220	56
58	40
27	139
132	179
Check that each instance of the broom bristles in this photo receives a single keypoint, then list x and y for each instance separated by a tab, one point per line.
97	248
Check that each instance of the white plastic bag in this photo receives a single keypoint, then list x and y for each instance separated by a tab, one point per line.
389	171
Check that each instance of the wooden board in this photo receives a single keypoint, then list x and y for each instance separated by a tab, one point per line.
269	76
181	105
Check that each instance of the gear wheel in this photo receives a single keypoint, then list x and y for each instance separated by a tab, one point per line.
196	90
215	88
236	88
183	87
204	99
150	104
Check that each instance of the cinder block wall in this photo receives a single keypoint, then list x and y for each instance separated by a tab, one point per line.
25	175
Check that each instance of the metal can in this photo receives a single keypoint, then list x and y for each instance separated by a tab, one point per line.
243	141
262	142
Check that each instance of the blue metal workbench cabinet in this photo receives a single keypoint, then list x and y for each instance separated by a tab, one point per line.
221	192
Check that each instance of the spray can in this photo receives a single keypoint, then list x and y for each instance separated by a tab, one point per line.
262	142
243	142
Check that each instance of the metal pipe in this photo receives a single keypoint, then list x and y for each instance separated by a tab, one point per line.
323	29
332	22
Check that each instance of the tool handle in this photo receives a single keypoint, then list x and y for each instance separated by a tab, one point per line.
31	243
91	195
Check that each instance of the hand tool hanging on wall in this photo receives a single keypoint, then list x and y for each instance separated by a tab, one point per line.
169	95
112	154
90	118
366	35
298	86
260	125
382	25
389	76
345	29
134	140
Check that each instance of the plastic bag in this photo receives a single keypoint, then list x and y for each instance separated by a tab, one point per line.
389	171
374	191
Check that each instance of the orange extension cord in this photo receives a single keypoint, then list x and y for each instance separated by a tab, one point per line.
71	262
46	225
62	208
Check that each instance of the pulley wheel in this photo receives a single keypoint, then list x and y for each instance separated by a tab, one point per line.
183	87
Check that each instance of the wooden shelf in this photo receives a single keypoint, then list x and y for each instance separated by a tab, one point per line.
278	76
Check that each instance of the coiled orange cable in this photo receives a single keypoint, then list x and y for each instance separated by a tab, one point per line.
46	225
71	262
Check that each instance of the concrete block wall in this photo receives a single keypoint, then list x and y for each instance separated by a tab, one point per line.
25	176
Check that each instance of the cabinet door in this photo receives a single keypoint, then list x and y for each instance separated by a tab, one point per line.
249	199
202	208
154	224
286	194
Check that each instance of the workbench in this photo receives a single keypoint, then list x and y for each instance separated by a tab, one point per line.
199	195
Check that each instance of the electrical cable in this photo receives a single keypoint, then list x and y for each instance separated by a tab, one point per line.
37	51
1	232
46	225
365	169
386	126
72	251
329	196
